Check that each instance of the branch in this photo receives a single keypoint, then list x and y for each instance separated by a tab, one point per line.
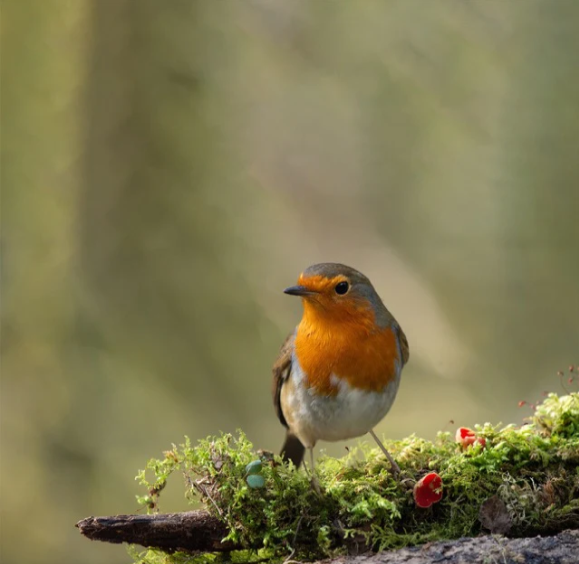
197	531
558	549
192	531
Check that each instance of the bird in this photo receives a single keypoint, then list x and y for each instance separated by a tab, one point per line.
337	373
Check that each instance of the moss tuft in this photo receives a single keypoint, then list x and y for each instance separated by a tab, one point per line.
533	469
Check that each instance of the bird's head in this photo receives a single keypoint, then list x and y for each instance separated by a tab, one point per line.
337	292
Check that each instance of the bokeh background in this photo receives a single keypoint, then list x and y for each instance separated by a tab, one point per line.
168	167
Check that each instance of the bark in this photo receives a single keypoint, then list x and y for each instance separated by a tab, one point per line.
192	531
197	531
558	549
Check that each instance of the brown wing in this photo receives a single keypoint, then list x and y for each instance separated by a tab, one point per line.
281	371
403	345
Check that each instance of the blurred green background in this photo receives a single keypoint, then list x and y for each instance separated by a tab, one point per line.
168	167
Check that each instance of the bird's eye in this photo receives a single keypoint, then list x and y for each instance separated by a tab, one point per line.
341	288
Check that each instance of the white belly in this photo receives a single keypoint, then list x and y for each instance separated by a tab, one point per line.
349	413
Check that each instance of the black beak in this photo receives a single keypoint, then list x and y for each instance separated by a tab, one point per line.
299	291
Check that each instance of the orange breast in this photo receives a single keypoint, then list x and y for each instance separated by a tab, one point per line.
350	347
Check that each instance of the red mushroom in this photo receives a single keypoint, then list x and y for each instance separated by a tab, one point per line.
428	490
467	437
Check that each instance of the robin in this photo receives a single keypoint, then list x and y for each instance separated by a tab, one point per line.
338	372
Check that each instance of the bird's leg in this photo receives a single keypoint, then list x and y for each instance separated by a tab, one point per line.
313	479
395	469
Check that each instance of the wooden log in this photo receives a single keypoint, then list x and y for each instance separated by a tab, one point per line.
191	531
197	531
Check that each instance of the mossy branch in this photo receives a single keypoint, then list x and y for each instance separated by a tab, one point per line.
195	531
520	480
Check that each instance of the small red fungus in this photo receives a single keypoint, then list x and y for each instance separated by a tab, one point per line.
467	437
428	490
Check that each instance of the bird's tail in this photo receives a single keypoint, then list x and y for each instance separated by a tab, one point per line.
292	449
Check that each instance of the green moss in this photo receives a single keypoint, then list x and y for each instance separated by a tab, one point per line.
534	469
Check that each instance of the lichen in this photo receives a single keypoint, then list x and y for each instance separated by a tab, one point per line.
533	469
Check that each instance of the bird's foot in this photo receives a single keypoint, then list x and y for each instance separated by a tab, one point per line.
394	468
315	485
